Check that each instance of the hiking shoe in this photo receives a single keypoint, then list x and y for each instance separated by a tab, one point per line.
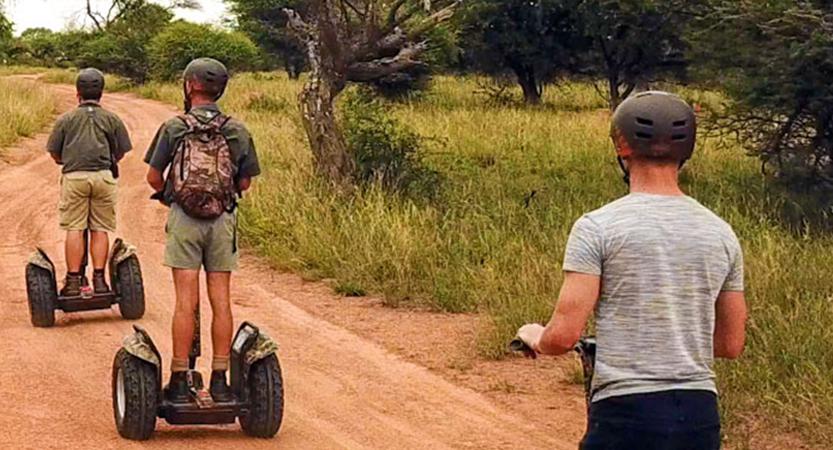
220	390
72	286
100	284
177	389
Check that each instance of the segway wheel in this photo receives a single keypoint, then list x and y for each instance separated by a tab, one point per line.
43	295
265	399
135	393
131	289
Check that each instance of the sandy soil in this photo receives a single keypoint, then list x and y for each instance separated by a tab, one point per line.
356	375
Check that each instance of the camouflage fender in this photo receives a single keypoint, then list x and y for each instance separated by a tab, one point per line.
264	346
121	251
137	345
40	259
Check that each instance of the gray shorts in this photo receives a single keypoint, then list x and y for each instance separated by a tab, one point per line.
196	243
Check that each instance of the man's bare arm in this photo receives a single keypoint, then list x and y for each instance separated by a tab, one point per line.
155	180
244	184
576	302
730	325
56	157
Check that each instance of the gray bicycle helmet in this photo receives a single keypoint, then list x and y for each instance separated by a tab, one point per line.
212	74
654	124
90	83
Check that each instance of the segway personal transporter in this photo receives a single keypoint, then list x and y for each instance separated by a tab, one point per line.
256	385
126	287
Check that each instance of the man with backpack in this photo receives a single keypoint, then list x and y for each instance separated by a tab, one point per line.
88	142
665	277
210	160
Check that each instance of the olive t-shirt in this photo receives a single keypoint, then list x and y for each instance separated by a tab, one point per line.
85	137
160	155
663	261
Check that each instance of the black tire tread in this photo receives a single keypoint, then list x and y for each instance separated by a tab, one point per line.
265	399
43	296
141	393
131	289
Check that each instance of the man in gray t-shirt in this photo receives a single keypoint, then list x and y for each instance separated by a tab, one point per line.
665	278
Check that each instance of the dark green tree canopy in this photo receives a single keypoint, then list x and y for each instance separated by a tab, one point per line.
534	40
266	24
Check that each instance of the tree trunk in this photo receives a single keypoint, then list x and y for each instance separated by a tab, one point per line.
615	98
329	148
529	85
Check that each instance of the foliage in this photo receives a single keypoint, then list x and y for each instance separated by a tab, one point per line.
266	24
386	151
635	42
535	40
25	107
6	28
777	74
121	48
182	42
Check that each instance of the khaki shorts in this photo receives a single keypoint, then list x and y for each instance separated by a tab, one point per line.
88	201
195	243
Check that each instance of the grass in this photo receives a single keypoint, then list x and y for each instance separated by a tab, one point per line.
514	181
25	109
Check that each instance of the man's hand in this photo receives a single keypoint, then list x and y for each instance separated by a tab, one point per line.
530	335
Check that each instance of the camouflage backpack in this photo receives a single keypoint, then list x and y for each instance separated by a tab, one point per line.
202	170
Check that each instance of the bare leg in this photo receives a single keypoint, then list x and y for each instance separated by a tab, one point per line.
74	249
187	285
222	325
99	247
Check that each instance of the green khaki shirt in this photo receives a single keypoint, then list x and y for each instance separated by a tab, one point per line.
88	139
160	155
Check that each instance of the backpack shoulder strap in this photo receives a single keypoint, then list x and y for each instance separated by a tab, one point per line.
190	121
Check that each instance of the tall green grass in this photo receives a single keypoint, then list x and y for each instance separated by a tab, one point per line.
25	108
515	179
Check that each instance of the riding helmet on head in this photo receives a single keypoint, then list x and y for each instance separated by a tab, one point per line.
654	124
210	73
90	83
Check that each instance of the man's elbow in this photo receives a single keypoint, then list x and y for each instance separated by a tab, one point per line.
730	350
155	180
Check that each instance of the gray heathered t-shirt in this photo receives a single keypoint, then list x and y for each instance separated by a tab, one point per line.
663	261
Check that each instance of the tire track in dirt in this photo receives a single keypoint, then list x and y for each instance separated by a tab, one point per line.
343	391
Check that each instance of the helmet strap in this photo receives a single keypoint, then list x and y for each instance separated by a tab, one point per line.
627	176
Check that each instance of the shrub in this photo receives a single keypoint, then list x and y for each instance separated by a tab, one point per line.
181	42
386	151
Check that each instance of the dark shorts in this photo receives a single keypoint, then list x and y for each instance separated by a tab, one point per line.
671	420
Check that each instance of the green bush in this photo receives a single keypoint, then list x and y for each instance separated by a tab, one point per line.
181	42
386	151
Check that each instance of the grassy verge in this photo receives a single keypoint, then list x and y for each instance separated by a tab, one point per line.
25	108
515	179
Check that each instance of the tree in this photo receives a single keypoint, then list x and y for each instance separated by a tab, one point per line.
635	41
777	75
181	42
121	47
360	41
266	24
534	40
119	8
6	37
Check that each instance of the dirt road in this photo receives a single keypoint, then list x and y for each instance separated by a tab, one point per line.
343	391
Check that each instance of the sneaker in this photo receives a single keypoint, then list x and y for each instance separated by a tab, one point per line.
72	286
220	390
100	284
177	389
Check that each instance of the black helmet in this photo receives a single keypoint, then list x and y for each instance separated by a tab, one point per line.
654	124
212	74
90	83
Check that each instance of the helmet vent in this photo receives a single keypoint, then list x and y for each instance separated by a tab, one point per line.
641	135
643	121
679	137
680	123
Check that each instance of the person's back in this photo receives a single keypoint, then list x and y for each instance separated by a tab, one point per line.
88	142
665	260
664	276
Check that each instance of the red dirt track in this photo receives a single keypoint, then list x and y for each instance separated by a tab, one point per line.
343	390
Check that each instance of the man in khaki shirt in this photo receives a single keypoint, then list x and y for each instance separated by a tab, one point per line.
88	142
